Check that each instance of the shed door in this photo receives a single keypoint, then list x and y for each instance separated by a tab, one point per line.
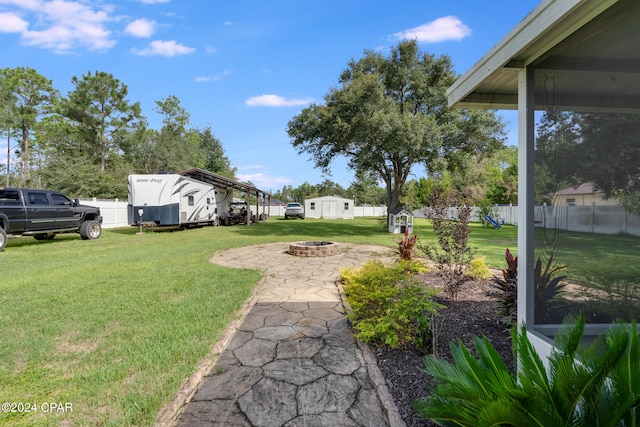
329	209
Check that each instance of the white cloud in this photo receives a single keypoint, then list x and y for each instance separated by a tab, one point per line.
141	28
228	23
263	181
276	101
12	23
442	29
154	1
59	25
164	48
213	78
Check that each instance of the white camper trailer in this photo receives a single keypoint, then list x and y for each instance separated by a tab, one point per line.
173	199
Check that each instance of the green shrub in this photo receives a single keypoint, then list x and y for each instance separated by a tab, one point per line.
478	269
388	304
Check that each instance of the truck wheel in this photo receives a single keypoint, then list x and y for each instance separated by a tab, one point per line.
90	230
3	238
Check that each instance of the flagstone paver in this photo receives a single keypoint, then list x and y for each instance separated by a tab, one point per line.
292	360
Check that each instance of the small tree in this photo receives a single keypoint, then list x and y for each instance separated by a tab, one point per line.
452	254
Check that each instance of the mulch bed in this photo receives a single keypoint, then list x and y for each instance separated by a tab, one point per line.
473	314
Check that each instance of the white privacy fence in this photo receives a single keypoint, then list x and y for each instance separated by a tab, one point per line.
590	219
504	214
114	212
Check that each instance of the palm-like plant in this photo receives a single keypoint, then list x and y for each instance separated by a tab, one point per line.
594	385
547	287
508	289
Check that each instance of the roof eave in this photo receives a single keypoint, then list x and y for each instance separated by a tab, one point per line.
526	42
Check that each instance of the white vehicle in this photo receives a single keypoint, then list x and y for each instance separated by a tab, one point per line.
174	200
294	210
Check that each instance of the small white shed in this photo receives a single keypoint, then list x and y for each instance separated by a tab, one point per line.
328	207
399	220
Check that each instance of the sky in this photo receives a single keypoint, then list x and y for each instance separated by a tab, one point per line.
245	68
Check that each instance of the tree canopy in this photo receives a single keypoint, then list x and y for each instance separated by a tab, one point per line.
389	114
27	95
89	141
602	149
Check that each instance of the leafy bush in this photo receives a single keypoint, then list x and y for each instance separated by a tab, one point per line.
478	269
388	304
601	389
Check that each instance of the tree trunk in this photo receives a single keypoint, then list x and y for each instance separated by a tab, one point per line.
24	156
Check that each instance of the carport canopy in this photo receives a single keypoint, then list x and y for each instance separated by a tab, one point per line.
230	184
222	181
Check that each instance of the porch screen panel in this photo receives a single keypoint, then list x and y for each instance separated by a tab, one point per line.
587	251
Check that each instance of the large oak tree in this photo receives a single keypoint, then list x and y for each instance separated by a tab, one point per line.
389	114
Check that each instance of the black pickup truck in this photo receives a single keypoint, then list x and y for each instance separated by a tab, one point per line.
43	214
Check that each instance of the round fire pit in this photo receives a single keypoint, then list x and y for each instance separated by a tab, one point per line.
314	248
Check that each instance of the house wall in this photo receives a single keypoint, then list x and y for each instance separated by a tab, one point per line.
582	200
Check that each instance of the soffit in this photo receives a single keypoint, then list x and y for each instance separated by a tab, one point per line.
587	50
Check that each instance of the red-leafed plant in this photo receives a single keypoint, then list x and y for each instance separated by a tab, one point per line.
405	246
507	287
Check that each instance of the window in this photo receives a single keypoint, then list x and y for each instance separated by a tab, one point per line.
60	200
9	197
312	206
190	201
37	198
346	206
571	202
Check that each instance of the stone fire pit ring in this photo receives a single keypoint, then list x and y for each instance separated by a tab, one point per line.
314	248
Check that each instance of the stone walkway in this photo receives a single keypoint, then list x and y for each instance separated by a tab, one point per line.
292	359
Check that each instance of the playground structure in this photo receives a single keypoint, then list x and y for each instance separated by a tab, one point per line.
492	222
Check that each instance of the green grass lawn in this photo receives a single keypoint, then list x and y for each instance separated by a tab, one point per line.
115	326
